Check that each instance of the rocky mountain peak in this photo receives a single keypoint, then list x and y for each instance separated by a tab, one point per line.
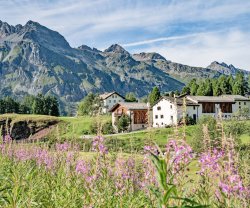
115	48
85	47
148	56
6	29
225	68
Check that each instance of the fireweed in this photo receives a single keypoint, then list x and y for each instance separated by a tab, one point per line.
59	176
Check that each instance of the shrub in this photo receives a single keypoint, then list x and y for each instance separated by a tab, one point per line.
108	128
189	121
123	123
199	134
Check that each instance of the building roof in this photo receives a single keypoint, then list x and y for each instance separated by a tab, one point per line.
108	94
130	106
211	99
178	100
236	97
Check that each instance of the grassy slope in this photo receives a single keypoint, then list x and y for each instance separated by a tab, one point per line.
77	126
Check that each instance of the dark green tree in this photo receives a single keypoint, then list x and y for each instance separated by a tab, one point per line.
193	87
208	87
123	123
186	90
130	97
239	87
154	96
216	88
38	105
202	89
90	105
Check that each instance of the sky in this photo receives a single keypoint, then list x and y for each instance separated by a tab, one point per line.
192	32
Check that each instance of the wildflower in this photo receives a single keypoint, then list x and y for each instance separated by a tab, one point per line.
98	145
63	147
7	138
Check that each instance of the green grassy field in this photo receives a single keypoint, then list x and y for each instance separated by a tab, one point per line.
75	127
78	126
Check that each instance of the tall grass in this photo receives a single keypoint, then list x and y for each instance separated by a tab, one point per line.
37	175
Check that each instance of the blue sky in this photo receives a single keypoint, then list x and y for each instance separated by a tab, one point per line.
193	32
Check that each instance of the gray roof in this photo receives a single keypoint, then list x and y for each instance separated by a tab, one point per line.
178	100
131	106
108	94
212	99
236	97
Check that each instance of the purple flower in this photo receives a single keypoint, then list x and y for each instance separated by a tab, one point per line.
98	145
63	147
7	138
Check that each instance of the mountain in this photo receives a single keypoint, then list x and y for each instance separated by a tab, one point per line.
181	72
35	59
226	69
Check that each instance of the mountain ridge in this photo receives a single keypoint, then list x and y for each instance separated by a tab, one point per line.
35	59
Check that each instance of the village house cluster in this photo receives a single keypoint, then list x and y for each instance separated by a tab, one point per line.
168	111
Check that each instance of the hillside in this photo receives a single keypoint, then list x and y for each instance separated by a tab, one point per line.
35	59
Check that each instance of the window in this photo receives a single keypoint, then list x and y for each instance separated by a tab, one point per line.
171	107
162	123
114	101
239	103
156	116
172	118
239	107
162	116
208	108
159	108
109	101
245	103
112	96
194	107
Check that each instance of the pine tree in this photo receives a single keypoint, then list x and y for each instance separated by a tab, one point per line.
239	86
154	96
193	87
208	87
202	89
186	90
216	88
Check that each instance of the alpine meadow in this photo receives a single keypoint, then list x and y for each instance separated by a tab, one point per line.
124	104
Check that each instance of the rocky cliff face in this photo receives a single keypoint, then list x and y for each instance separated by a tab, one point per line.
226	69
35	59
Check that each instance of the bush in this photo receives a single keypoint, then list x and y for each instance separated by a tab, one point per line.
213	133
189	121
236	128
108	128
123	123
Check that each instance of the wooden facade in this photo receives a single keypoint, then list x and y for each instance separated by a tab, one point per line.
140	116
209	107
226	107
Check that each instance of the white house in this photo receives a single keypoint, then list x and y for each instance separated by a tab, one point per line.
109	100
168	110
137	113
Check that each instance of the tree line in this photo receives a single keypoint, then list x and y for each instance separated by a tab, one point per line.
40	104
240	85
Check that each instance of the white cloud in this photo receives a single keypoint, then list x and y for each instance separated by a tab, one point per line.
232	47
156	25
